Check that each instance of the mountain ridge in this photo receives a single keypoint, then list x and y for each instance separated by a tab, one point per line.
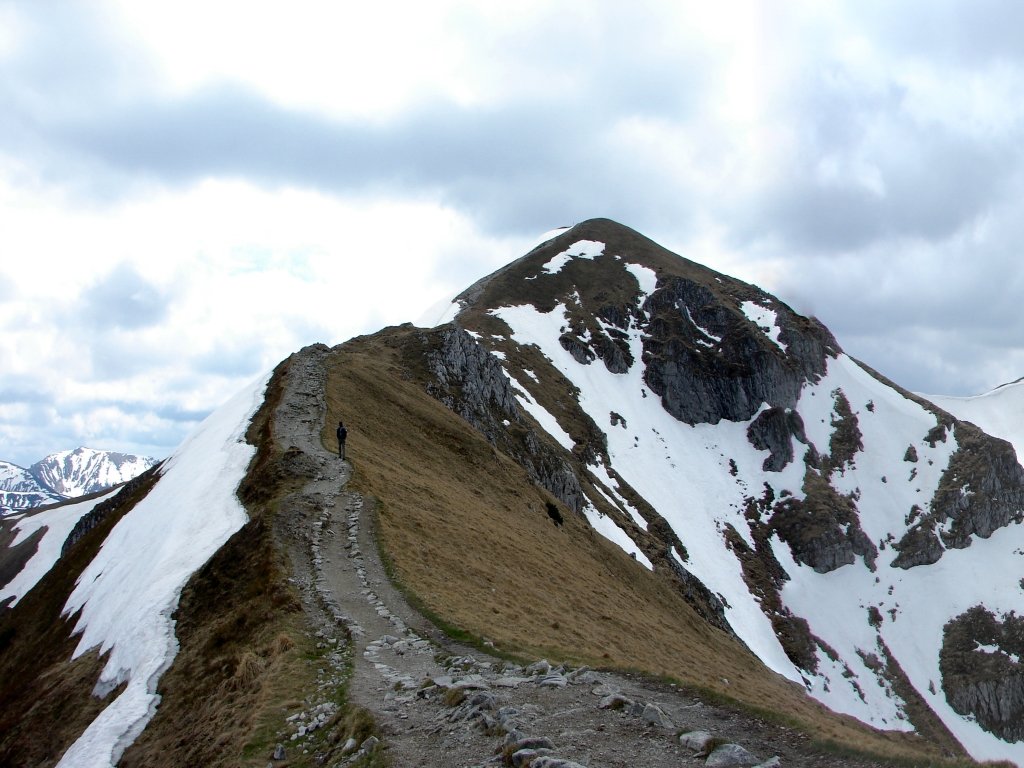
66	475
608	456
812	514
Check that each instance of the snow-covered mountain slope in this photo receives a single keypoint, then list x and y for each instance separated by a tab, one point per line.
66	475
999	412
20	490
125	597
161	529
859	540
85	470
53	525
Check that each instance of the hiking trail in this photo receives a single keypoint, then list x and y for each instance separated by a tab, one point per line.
438	703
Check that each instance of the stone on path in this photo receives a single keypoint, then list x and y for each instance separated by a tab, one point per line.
554	762
527	757
554	680
541	667
510	681
730	756
654	715
532	742
698	741
615	701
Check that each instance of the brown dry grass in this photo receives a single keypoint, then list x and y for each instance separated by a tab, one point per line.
468	534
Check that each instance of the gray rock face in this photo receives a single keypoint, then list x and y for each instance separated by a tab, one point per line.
702	599
99	513
698	741
731	378
470	381
730	756
823	529
981	491
774	431
462	365
985	684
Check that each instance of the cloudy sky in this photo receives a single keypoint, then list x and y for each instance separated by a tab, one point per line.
190	191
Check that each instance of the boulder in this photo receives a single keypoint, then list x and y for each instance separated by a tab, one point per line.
541	667
531	742
698	741
654	715
615	701
554	762
525	757
730	756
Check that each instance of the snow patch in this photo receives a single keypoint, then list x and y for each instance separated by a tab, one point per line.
541	415
581	249
765	319
645	277
607	528
129	591
58	523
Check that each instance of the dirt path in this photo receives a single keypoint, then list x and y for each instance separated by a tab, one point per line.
439	704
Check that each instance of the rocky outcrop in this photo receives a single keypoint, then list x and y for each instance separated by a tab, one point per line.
774	430
601	337
981	490
822	529
471	382
708	362
982	676
764	577
846	439
920	545
700	598
100	512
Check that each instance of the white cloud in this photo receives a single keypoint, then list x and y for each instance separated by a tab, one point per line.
255	178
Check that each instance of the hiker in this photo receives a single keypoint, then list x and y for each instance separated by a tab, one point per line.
342	434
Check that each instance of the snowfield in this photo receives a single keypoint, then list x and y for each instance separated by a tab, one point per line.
999	412
698	477
127	594
58	523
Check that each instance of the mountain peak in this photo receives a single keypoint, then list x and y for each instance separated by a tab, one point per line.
66	474
715	347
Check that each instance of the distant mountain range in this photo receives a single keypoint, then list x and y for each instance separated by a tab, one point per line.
66	475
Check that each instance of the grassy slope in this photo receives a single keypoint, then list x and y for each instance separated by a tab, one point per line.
468	535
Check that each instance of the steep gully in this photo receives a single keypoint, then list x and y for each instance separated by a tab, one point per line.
439	703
